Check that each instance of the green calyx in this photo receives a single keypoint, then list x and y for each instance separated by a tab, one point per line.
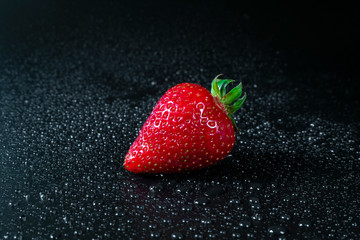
231	101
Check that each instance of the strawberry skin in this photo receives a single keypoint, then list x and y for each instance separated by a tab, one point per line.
189	128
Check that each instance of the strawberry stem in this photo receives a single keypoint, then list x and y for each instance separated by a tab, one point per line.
231	101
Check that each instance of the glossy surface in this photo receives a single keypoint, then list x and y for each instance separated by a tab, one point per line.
78	79
186	130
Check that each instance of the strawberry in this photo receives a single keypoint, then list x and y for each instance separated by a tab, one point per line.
189	128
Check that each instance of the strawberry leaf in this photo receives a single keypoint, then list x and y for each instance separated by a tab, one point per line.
222	83
233	95
236	106
215	91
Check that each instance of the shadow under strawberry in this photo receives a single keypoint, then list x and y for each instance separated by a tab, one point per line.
237	166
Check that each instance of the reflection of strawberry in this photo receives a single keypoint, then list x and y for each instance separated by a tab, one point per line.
189	128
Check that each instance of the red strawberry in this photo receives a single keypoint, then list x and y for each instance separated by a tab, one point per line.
188	129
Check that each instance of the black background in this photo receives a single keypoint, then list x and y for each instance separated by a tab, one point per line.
78	79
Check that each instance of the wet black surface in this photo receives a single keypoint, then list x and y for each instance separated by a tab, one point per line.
77	82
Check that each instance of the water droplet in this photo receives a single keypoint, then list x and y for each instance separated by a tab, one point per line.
285	217
235	201
201	201
304	223
245	223
256	217
186	208
22	218
42	196
254	200
236	235
26	196
155	234
255	206
183	189
177	235
155	188
153	226
276	230
198	236
255	186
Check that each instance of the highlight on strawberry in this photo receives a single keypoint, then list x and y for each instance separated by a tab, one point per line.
189	128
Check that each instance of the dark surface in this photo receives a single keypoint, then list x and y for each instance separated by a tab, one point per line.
77	81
